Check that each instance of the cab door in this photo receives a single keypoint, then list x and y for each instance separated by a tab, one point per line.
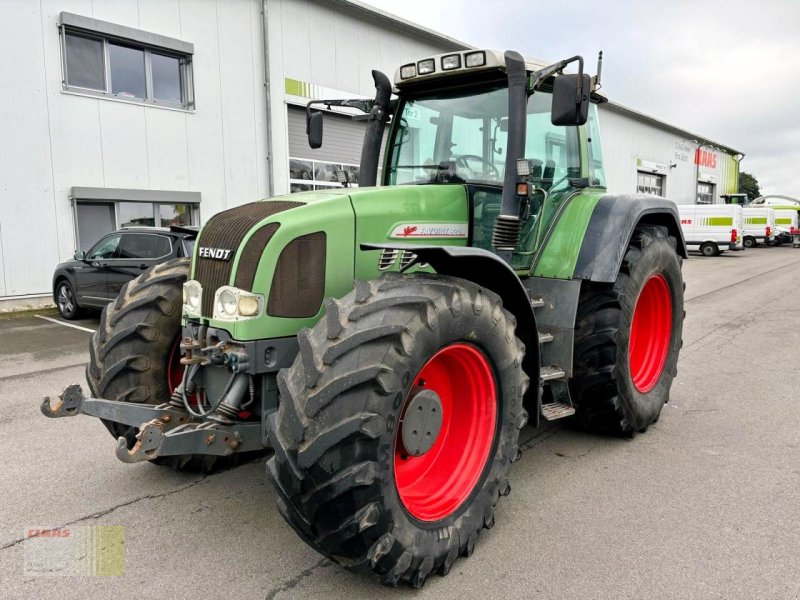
137	252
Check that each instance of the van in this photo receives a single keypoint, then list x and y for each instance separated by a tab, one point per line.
714	228
759	225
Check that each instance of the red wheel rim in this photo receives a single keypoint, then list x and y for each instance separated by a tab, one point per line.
174	366
434	485
651	332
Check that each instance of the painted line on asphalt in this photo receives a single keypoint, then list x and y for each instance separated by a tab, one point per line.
57	322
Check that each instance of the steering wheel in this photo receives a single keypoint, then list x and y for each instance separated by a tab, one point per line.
489	168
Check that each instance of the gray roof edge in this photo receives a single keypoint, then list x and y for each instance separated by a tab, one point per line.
639	116
356	6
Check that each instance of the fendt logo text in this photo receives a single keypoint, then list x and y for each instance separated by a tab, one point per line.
215	253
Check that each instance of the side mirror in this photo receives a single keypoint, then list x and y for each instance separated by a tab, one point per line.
570	100
314	128
79	256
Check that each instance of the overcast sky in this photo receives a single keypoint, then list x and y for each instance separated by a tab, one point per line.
725	70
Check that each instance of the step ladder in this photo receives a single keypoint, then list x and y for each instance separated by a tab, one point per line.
554	377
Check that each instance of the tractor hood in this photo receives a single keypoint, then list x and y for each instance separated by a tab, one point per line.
294	251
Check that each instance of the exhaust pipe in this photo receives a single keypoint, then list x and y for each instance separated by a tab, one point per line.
505	236
373	138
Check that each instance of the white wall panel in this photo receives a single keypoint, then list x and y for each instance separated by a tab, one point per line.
163	16
236	83
204	140
346	43
124	137
369	58
26	177
322	42
123	13
167	155
296	38
391	50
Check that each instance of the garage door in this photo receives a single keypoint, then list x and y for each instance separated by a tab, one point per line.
341	149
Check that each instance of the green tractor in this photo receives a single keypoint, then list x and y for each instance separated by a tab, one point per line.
389	343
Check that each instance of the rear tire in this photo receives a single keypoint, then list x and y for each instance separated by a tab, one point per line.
621	381
131	351
750	242
340	460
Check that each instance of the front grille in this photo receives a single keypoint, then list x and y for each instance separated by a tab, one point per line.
226	230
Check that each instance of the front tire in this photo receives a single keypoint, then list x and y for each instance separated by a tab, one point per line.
627	338
132	355
349	475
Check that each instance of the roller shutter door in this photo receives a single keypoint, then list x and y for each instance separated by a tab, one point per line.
341	149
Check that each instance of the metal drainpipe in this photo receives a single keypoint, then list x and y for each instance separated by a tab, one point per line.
738	168
268	101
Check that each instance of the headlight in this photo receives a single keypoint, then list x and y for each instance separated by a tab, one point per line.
426	66
192	297
248	306
226	302
233	304
451	62
408	71
475	59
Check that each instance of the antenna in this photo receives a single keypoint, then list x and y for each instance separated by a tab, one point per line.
599	69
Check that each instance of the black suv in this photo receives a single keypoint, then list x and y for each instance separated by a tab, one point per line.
94	278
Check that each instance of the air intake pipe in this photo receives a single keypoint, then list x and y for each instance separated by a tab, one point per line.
373	138
507	225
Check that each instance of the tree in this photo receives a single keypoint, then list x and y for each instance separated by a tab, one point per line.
748	185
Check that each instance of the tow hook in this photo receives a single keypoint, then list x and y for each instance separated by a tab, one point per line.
67	405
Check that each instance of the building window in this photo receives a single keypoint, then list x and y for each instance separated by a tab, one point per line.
102	64
650	183
306	174
705	193
96	219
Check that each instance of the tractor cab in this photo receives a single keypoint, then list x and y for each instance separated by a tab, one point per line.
519	135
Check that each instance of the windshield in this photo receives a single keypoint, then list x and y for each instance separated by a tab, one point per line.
462	137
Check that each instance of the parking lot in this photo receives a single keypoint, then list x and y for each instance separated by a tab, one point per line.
705	504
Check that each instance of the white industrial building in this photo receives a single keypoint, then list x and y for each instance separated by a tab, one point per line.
162	112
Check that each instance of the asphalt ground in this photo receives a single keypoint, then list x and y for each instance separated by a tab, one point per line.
706	504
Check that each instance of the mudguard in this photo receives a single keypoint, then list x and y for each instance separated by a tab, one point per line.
490	271
611	227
